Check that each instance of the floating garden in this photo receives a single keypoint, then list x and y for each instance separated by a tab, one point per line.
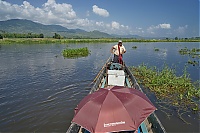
75	53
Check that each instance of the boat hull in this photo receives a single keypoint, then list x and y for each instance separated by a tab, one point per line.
151	125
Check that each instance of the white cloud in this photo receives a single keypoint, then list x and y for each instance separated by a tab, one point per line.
139	28
115	25
111	28
62	14
60	10
165	26
49	13
181	30
100	24
160	26
100	11
84	22
117	28
160	29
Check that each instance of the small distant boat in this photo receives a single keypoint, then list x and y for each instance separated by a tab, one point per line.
115	74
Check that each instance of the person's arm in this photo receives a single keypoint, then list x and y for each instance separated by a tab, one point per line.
124	50
111	50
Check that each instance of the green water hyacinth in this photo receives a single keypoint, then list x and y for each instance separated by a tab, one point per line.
156	49
134	47
176	91
75	53
195	52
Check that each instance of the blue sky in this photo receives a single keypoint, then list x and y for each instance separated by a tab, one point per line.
147	18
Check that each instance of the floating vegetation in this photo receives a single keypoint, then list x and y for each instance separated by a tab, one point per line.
184	51
193	62
156	49
134	47
75	53
193	53
176	91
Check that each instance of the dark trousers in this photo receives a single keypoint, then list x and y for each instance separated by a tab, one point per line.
116	58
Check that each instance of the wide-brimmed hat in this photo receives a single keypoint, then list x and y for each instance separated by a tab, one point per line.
120	41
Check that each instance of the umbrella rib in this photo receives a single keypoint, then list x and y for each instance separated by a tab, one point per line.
99	114
124	105
120	102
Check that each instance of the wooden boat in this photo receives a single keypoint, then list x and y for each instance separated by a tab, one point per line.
107	78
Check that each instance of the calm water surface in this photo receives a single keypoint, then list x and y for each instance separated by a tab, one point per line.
39	88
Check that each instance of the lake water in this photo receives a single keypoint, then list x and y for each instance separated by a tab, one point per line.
39	89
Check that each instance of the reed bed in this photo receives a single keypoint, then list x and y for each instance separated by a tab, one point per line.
53	40
83	40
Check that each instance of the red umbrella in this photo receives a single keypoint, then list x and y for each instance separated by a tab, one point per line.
113	109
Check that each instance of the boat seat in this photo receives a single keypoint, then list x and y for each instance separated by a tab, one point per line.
115	66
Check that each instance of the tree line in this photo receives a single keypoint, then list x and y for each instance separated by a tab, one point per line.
21	35
26	35
58	36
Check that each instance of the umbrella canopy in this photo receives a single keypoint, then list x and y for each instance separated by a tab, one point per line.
113	109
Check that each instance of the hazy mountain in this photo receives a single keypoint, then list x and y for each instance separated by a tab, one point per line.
28	26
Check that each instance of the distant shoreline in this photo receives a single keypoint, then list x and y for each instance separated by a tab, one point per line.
66	41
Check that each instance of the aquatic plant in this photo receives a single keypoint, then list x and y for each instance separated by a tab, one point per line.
176	91
156	49
75	53
193	62
193	53
184	51
134	47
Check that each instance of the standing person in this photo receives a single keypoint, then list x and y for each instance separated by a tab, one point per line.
118	51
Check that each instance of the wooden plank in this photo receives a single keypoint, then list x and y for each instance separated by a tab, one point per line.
103	84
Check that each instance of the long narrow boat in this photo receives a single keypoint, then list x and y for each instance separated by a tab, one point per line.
115	74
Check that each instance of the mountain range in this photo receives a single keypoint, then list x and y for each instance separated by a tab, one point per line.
28	26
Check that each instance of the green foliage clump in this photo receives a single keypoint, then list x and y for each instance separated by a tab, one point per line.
57	36
1	37
192	52
22	35
156	49
75	53
134	47
174	90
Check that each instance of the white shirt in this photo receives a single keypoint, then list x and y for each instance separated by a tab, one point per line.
116	51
